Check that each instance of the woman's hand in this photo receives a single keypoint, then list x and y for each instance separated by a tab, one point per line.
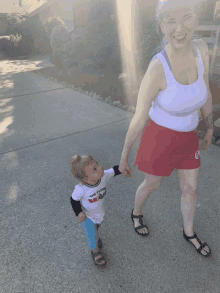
207	140
81	217
124	168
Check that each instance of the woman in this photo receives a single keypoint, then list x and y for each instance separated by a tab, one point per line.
173	91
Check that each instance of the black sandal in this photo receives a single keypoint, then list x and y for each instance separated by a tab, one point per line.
141	226
99	243
97	262
202	245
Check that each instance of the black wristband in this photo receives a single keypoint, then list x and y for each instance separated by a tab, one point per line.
116	170
76	205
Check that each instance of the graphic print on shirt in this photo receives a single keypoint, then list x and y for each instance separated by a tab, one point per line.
197	154
99	195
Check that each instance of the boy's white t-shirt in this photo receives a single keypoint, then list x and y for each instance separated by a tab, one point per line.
92	197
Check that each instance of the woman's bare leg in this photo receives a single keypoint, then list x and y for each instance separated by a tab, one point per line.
188	184
150	183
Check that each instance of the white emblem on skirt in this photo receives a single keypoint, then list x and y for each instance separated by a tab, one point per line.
197	154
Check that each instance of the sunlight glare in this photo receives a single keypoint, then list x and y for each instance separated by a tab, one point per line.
7	109
12	194
126	15
5	123
6	84
11	161
18	66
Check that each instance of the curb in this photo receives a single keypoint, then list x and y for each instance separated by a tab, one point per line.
108	100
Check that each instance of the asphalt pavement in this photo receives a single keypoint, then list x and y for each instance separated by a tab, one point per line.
42	245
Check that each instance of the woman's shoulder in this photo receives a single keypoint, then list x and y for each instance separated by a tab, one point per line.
155	66
199	42
154	77
202	46
204	52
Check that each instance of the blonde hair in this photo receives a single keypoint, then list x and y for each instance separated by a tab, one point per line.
162	7
78	164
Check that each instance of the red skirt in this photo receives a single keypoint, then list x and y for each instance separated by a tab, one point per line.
162	149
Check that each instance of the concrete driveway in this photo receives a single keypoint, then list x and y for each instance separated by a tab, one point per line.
43	249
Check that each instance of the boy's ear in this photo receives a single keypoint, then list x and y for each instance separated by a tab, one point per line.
84	179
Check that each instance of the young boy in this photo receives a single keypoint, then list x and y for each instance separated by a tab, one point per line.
88	197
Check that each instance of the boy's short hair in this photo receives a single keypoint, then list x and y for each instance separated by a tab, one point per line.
78	166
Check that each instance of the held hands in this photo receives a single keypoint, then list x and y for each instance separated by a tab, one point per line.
81	217
124	168
207	140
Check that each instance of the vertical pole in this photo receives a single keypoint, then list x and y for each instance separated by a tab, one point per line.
20	2
135	50
127	33
214	52
74	16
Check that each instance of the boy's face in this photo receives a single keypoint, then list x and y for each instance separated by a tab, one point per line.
94	172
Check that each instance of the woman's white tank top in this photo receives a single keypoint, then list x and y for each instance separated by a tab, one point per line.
177	107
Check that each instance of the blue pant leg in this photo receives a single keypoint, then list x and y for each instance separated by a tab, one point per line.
91	232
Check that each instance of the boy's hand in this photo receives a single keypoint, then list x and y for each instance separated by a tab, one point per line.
81	217
124	168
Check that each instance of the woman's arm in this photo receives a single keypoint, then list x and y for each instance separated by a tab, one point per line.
207	107
149	89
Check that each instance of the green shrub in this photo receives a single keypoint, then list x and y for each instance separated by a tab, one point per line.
51	22
67	63
86	66
14	19
56	60
15	39
59	36
73	70
11	46
31	31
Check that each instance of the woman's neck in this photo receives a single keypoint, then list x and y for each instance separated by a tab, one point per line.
184	52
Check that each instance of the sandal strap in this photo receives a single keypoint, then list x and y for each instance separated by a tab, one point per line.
190	237
99	259
193	237
137	217
139	227
200	242
140	216
94	254
202	246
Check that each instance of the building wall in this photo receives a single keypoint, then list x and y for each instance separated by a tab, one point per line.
66	9
146	8
210	8
3	25
86	10
81	12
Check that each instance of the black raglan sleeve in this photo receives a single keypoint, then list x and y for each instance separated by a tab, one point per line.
116	170
76	205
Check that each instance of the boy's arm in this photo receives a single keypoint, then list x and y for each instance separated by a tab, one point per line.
116	170
76	205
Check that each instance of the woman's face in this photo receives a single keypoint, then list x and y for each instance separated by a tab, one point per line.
178	25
